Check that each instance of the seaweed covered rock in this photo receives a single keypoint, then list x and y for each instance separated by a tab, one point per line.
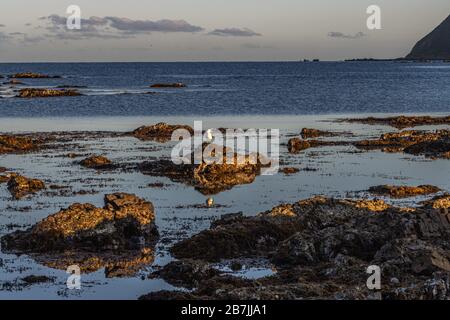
432	144
209	178
96	162
47	93
403	122
296	145
20	186
308	133
32	75
161	132
125	222
433	149
16	144
403	191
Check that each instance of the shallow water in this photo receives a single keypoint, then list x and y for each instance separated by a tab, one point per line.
341	172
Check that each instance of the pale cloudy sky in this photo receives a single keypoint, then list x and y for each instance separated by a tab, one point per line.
212	30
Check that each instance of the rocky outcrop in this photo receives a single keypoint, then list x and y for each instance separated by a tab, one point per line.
402	122
431	144
20	186
46	93
32	75
290	170
308	133
168	85
209	178
403	191
435	45
161	132
438	202
125	222
96	162
16	144
321	249
295	145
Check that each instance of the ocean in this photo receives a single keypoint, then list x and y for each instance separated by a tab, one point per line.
245	88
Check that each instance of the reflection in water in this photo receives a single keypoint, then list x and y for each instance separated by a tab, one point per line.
116	264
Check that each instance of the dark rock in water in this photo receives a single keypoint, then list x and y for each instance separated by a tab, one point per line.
168	85
435	45
32	279
13	144
161	132
20	186
236	238
403	191
96	162
209	178
432	149
186	273
431	144
31	75
321	248
47	93
125	222
402	122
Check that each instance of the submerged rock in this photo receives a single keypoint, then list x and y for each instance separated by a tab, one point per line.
402	122
20	186
209	178
168	85
14	82
125	222
47	93
15	144
403	191
161	132
96	162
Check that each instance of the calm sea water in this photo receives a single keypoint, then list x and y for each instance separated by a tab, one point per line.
117	89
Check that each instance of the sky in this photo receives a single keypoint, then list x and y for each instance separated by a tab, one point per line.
213	30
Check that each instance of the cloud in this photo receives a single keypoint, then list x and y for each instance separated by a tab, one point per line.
335	34
256	46
2	25
138	26
234	32
113	27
